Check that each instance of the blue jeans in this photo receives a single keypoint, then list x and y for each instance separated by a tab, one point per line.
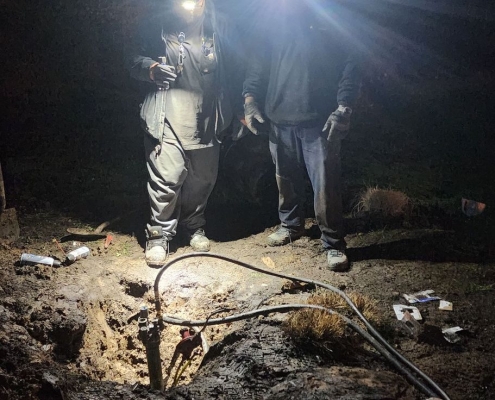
298	147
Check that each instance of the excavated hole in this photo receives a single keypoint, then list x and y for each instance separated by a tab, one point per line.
111	349
135	289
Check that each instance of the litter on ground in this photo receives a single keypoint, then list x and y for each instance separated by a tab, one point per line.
400	309
445	305
420	297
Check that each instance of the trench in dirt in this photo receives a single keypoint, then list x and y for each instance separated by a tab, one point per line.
87	313
110	348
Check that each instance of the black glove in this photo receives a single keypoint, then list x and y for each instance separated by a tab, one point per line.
163	74
252	113
339	122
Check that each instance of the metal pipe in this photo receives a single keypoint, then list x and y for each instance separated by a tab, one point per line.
153	356
149	334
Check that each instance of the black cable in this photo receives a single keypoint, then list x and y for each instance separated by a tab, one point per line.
371	329
290	307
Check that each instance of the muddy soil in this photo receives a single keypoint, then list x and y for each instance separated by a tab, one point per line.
71	332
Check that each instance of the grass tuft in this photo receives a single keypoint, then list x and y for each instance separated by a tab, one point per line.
389	203
319	325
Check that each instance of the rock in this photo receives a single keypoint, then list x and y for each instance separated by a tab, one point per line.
64	326
50	387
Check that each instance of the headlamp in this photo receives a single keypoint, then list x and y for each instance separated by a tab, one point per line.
190	5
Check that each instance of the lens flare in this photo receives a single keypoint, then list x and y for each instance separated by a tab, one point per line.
189	5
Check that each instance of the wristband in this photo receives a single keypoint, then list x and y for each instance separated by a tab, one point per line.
345	110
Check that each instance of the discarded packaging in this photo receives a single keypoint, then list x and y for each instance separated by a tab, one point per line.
445	305
410	324
450	334
400	309
472	208
77	254
33	259
420	297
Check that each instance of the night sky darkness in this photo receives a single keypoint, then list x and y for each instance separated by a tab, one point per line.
68	104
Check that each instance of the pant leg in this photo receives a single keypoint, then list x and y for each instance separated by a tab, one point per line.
322	159
285	149
166	174
201	178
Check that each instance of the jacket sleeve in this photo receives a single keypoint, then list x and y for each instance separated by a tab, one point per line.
231	67
138	58
350	83
256	70
257	56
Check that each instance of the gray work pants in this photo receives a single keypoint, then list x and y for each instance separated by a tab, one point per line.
179	183
295	148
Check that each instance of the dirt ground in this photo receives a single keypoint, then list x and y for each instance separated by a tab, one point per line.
71	332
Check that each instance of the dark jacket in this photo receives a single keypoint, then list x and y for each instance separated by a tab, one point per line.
303	66
149	46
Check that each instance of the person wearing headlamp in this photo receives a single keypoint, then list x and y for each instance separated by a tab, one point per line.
313	66
180	54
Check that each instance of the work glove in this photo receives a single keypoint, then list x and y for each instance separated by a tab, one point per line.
338	122
252	113
163	75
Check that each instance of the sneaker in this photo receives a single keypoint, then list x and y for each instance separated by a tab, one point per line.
283	236
157	247
199	241
337	261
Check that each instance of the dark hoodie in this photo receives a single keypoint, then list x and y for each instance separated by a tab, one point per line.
308	59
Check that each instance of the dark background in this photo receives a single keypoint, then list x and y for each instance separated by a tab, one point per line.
71	142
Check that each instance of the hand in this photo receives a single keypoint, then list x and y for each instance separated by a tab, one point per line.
339	122
162	74
252	113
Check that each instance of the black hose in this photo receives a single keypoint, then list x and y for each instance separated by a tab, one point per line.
371	329
290	307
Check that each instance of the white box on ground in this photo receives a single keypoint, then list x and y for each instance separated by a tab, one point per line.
400	308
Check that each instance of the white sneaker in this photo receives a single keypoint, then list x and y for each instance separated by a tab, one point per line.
337	261
156	254
199	242
157	247
283	236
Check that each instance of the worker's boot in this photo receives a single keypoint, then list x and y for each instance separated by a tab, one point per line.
156	246
337	261
284	235
199	241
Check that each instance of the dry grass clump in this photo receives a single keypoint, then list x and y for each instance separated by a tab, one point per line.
320	325
389	203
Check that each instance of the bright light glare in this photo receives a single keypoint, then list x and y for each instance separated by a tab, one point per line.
189	5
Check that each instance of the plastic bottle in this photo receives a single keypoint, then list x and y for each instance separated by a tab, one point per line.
33	259
77	254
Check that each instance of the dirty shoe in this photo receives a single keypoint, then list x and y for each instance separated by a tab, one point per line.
156	252
199	241
284	235
337	261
